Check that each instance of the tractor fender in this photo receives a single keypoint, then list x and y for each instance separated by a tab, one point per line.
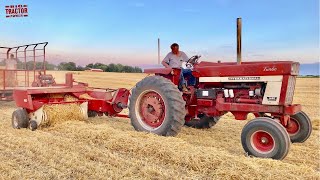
158	71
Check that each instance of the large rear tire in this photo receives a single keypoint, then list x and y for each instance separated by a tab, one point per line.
266	138
20	119
204	122
156	106
299	127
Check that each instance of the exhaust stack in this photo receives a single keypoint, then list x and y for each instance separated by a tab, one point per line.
239	28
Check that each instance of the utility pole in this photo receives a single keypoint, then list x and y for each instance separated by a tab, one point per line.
158	50
239	28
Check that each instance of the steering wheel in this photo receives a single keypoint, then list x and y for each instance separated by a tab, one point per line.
189	64
194	59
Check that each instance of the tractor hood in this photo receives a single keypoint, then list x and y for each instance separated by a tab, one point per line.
261	68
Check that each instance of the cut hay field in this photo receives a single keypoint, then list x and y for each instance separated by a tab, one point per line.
109	148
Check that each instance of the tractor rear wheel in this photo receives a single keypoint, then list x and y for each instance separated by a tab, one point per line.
266	138
156	106
20	119
299	127
204	122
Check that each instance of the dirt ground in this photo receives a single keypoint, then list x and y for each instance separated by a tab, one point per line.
109	148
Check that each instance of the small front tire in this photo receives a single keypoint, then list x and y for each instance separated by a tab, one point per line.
299	127
266	138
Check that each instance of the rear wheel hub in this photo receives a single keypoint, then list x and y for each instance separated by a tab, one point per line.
152	109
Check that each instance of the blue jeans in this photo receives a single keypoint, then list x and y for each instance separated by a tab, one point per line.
187	73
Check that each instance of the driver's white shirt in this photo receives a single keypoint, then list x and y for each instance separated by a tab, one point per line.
175	61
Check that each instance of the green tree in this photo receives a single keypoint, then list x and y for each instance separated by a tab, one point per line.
137	70
67	66
112	68
100	66
89	66
80	68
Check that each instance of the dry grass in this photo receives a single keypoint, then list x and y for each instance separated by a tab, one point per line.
109	148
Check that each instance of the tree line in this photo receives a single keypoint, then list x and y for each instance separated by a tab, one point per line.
71	66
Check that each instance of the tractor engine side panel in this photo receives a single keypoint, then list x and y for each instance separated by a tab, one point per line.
271	94
245	94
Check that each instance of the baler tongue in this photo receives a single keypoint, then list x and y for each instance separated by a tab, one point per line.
52	114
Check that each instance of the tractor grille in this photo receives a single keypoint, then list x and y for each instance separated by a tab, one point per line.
290	89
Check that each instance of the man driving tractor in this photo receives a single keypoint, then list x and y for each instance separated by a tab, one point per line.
174	59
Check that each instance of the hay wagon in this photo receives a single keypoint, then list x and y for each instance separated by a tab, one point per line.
21	66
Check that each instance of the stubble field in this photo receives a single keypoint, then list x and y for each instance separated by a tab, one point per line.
109	148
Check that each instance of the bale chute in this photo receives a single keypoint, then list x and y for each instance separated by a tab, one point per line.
49	115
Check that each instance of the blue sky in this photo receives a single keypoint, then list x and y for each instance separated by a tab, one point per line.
127	31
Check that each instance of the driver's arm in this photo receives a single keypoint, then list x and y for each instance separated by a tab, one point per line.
165	61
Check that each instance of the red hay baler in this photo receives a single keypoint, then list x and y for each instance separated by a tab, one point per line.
92	101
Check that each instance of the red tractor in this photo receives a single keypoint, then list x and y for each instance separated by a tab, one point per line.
262	88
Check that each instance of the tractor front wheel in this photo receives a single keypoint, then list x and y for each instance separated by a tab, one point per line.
203	122
266	138
20	119
299	127
156	106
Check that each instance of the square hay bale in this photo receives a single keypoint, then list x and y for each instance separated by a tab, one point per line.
58	113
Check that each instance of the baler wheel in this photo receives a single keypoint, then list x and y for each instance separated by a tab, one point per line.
20	119
92	113
33	125
156	106
203	123
299	127
266	138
